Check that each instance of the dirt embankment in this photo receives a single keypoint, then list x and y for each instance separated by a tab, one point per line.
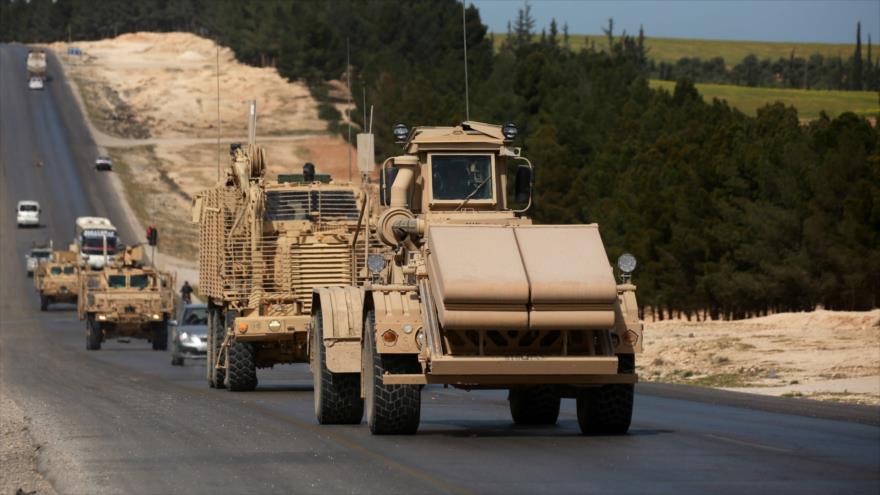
152	100
824	355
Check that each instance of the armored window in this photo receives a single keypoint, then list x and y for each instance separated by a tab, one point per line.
116	281
460	177
140	281
314	204
55	270
69	270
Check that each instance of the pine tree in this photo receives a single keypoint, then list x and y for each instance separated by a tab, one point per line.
856	82
554	32
524	26
566	41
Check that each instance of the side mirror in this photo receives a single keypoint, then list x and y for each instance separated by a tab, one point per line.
386	179
523	186
173	323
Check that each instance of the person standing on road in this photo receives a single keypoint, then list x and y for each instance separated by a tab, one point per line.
186	292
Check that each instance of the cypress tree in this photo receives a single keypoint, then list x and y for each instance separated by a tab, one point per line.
856	82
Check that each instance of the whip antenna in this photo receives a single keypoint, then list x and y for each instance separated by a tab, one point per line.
467	103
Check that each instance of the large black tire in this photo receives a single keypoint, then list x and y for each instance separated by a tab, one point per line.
391	409
337	395
607	410
538	405
176	361
159	335
44	302
241	367
93	335
216	334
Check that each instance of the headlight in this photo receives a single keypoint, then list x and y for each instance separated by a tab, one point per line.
400	132
376	263
626	263
157	316
274	325
420	339
509	131
184	336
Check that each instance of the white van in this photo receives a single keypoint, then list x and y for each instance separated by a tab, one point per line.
28	214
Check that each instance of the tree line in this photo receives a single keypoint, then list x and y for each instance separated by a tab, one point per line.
859	72
729	215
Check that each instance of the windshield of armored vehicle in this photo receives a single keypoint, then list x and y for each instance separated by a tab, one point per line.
55	270
140	281
458	177
69	270
41	254
116	281
311	204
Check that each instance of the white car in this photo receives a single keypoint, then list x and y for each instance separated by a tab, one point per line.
36	256
103	163
27	214
35	83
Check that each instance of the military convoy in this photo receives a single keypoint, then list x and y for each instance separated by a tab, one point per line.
126	299
57	279
264	245
470	293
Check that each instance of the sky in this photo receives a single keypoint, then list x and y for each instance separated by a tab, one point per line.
820	21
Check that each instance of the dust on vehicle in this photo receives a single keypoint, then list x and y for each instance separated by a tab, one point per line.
264	245
471	293
57	280
126	299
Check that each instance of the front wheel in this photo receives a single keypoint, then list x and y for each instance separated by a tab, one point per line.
241	367
216	334
607	410
160	336
391	409
93	335
44	302
337	395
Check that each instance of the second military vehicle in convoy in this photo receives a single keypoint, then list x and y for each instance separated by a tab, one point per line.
36	64
57	280
126	300
264	245
471	293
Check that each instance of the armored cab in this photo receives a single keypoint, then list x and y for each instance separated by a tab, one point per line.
471	293
264	245
57	280
126	300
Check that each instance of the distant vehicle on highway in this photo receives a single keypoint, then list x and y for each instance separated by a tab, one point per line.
96	241
36	256
103	163
27	214
35	83
189	334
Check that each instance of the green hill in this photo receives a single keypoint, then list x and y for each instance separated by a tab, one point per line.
672	49
808	103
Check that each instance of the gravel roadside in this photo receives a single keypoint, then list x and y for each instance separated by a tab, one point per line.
19	453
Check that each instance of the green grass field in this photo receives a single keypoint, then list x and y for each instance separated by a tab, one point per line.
672	49
808	103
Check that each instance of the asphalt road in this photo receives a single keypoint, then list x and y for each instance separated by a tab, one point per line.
122	420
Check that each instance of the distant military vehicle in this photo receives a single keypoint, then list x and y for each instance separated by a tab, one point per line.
57	280
36	64
264	245
470	293
126	299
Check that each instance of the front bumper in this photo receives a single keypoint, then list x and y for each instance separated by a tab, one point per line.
27	221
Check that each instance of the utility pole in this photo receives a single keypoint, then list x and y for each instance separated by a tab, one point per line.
467	101
348	108
218	111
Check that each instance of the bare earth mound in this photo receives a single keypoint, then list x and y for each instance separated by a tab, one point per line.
152	100
822	354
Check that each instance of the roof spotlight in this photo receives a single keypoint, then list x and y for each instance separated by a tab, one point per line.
509	131
626	263
400	132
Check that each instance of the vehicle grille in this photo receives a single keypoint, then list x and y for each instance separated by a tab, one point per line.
318	265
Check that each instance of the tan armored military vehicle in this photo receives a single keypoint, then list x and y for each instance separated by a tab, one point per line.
126	300
470	293
57	280
264	245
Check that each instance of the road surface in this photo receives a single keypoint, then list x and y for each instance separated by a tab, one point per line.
122	420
